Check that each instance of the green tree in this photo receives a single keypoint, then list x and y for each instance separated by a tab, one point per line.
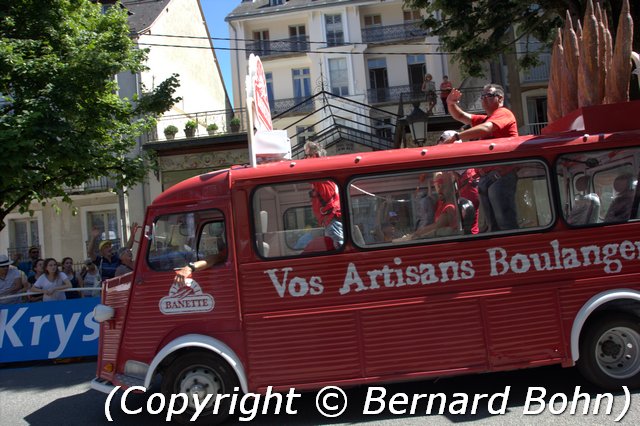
61	119
476	32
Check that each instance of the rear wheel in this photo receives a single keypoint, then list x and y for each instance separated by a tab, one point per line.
200	373
610	351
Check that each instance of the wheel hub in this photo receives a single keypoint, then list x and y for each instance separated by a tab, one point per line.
618	352
200	381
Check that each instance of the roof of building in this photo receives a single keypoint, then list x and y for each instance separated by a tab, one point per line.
143	12
263	7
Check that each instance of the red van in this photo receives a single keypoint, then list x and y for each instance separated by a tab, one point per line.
399	298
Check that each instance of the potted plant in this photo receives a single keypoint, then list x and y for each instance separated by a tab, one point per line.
190	128
212	129
235	124
170	131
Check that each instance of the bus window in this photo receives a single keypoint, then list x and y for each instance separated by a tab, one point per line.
441	204
603	185
175	241
297	218
212	240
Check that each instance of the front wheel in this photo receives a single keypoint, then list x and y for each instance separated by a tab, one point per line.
610	351
200	373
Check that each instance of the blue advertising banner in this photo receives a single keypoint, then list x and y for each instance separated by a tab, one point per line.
48	330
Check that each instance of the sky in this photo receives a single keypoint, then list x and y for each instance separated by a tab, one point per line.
214	13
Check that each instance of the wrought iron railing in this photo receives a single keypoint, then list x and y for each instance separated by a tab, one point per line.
101	184
539	73
204	120
271	48
291	106
411	93
534	128
387	33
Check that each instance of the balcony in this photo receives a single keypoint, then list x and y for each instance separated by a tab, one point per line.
540	73
274	48
533	128
391	33
102	184
291	106
221	118
391	95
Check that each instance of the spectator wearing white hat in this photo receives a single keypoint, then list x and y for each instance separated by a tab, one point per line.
12	281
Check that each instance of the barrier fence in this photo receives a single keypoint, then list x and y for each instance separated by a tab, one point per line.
48	330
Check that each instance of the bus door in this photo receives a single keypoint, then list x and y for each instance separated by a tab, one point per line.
161	309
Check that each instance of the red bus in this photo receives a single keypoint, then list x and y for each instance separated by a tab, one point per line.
289	309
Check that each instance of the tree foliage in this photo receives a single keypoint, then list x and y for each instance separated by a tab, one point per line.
62	121
477	32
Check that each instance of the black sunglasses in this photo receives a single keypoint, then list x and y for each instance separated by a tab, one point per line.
488	95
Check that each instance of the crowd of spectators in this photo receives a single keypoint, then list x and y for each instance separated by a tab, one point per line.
37	279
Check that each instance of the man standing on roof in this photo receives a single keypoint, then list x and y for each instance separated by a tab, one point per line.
498	122
325	200
497	185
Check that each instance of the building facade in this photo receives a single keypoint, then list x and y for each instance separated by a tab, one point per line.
169	29
368	56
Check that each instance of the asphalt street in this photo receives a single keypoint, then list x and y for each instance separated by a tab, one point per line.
60	394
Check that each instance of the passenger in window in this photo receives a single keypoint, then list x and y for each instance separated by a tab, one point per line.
586	206
468	190
446	215
625	190
425	203
325	200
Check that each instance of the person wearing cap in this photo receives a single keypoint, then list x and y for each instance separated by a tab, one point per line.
12	281
105	259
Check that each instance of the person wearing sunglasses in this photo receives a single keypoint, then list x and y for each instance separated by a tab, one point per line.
497	184
498	122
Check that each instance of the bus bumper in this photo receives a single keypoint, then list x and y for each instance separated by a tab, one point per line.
102	385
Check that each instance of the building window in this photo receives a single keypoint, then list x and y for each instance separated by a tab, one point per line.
416	69
276	2
372	21
23	233
378	79
261	42
298	38
411	15
536	114
335	34
107	222
339	76
269	79
301	83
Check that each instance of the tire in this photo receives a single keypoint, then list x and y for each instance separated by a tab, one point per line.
610	351
202	373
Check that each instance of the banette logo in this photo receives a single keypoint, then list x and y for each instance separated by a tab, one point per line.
186	299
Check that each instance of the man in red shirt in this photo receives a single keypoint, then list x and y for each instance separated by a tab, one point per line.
497	185
325	200
445	89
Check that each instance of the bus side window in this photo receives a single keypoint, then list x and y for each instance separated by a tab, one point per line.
605	185
298	218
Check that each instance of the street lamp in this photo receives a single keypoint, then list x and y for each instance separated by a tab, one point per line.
418	122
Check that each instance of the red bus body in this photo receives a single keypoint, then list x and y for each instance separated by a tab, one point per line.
355	315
